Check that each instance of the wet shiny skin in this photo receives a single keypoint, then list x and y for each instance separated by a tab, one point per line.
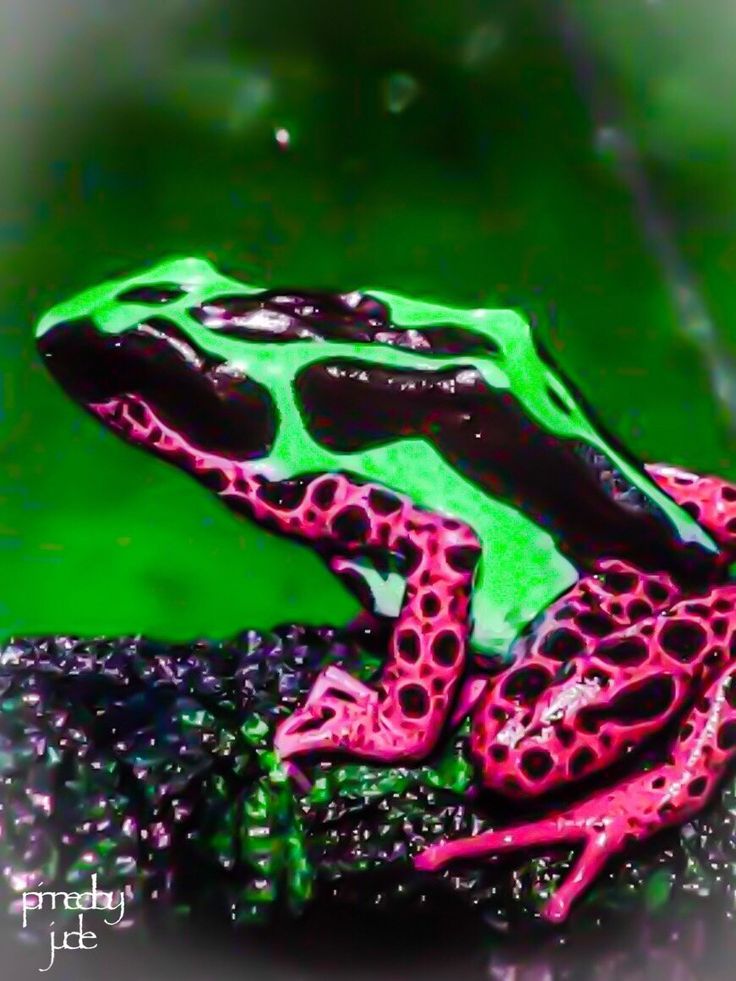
647	626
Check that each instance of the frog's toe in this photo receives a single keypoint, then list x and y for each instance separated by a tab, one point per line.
324	729
337	716
334	683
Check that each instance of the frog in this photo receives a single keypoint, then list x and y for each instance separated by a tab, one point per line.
534	580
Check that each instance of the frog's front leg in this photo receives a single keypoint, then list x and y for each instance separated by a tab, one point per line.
402	716
636	808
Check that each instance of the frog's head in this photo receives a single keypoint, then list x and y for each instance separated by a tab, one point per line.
172	344
131	347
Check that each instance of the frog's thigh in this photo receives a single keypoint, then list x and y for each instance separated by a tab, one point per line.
587	690
641	805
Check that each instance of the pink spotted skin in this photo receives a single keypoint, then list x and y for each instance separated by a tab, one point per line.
401	718
607	666
711	501
612	662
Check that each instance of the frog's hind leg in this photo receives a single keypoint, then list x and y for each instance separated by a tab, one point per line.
710	500
608	821
401	717
542	722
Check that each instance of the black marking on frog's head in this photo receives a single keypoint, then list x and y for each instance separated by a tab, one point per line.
282	316
195	394
158	340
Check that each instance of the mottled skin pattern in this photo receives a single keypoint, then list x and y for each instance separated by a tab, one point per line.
401	718
612	662
606	666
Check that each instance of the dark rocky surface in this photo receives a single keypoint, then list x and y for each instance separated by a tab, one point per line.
150	764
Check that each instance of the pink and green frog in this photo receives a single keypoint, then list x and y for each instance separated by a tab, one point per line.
566	601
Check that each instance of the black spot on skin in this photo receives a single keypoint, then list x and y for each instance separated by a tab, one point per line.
658	783
619	582
499	753
595	624
154	294
430	605
624	652
561	645
638	702
445	648
686	731
413	701
351	524
408	645
215	479
411	555
462	558
536	763
137	413
656	591
324	493
638	610
384	503
729	690
581	760
565	735
731	526
287	494
722	606
727	736
697	787
526	684
728	493
698	609
683	639
565	612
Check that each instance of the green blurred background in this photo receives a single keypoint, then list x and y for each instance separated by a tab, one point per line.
575	159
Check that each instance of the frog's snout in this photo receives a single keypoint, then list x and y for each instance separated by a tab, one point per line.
93	366
194	393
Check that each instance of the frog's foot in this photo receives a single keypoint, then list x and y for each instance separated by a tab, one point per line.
710	500
601	827
340	713
634	810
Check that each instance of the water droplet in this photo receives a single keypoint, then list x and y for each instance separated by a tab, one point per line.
399	91
483	42
282	137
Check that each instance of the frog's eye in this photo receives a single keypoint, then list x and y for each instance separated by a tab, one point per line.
153	294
